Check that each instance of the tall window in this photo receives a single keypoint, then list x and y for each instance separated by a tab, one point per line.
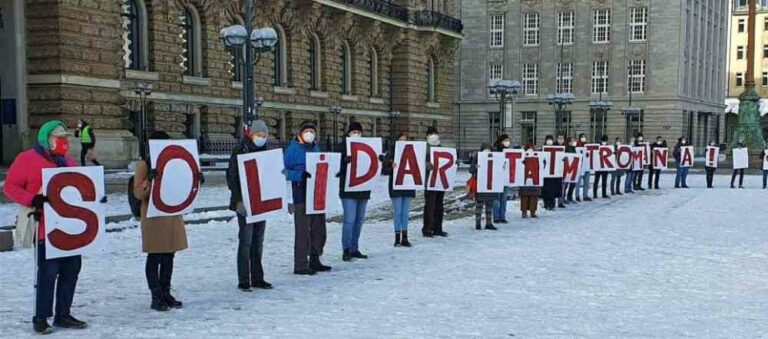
739	79
314	62
741	25
638	24
598	124
739	52
495	72
346	68
531	79
528	126
601	26
280	59
565	77
373	69
636	76
600	77
190	23
531	29
566	124
765	78
496	23
430	80
135	40
565	28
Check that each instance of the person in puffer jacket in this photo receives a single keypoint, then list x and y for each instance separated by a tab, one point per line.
23	185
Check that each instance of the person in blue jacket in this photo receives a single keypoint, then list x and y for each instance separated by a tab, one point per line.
310	229
353	203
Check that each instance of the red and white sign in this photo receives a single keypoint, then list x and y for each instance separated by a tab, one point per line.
514	166
765	160
553	161
74	216
262	184
593	157
646	153
606	160
740	158
442	177
533	169
712	157
686	156
364	166
323	185
582	152
660	158
410	166
638	156
571	167
177	184
490	172
624	157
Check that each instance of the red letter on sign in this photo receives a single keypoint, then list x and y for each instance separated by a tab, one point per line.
489	173
687	157
170	153
624	157
532	170
552	158
637	156
254	191
358	147
408	165
660	157
591	148
58	238
321	184
605	154
711	161
571	169
512	158
436	157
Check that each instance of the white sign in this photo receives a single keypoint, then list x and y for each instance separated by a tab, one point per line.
364	165
660	158
513	170
74	215
323	185
262	184
571	167
686	156
490	172
713	156
765	160
442	177
553	157
176	192
410	166
624	157
606	159
740	158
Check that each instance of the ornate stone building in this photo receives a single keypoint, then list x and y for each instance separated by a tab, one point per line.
83	59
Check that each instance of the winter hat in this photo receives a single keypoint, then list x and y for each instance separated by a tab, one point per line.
159	135
484	146
354	126
259	126
432	130
53	127
308	125
501	138
604	138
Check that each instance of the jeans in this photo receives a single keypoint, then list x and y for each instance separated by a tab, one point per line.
500	206
249	249
740	172
711	175
629	182
765	177
681	177
582	187
616	181
60	273
354	215
401	206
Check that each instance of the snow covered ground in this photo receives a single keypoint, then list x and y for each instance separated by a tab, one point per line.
669	263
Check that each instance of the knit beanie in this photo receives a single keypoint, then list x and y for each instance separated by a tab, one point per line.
49	128
432	130
354	126
308	125
259	126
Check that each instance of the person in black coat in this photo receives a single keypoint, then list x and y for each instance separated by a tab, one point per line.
553	187
740	171
401	199
570	147
602	175
653	173
638	186
433	201
710	169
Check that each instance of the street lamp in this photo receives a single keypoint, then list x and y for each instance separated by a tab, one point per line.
504	90
261	40
143	90
335	112
559	101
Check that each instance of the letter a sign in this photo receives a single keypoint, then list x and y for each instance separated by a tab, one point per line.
364	166
262	184
176	186
410	165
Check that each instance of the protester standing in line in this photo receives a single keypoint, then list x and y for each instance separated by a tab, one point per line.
711	169
482	200
569	187
601	175
310	232
23	185
560	200
639	173
553	187
250	271
629	181
87	142
582	187
353	203
401	199
500	203
740	172
434	204
616	174
681	173
529	195
653	173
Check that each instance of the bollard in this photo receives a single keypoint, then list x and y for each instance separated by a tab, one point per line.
6	241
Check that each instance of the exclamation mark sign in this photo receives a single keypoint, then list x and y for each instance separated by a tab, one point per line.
321	184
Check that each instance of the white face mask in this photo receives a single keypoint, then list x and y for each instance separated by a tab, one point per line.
308	137
433	139
355	135
658	142
548	142
80	125
640	139
259	141
603	143
560	141
573	143
583	139
505	143
683	140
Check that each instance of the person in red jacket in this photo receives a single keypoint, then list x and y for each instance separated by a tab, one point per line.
23	185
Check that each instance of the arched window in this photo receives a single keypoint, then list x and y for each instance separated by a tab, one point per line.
346	68
315	62
280	59
135	40
430	80
373	68
190	23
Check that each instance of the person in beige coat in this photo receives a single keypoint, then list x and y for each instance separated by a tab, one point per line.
161	238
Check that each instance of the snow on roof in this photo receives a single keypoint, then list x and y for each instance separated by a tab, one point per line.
732	106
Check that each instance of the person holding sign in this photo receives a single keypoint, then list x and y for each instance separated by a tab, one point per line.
601	174
500	204
640	142
653	173
617	173
629	181
250	272
570	148
582	187
482	199
161	237
529	195
681	155
433	200
310	229
401	199
740	162
23	185
353	203
710	165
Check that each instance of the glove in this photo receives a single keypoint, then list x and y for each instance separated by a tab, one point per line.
338	175
103	200
201	177
290	209
381	157
39	200
152	174
429	167
307	175
347	159
284	172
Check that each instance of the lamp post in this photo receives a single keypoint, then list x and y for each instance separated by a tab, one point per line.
250	41
335	112
559	101
504	90
143	90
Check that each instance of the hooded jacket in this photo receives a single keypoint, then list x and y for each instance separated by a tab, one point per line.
295	160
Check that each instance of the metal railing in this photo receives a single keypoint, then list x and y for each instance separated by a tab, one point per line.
381	7
420	18
436	19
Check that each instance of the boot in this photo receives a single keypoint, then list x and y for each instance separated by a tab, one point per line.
245	287
489	226
525	214
533	215
304	271
170	300
346	256
478	226
158	304
70	322
317	265
358	254
404	239
587	199
41	326
397	239
262	285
